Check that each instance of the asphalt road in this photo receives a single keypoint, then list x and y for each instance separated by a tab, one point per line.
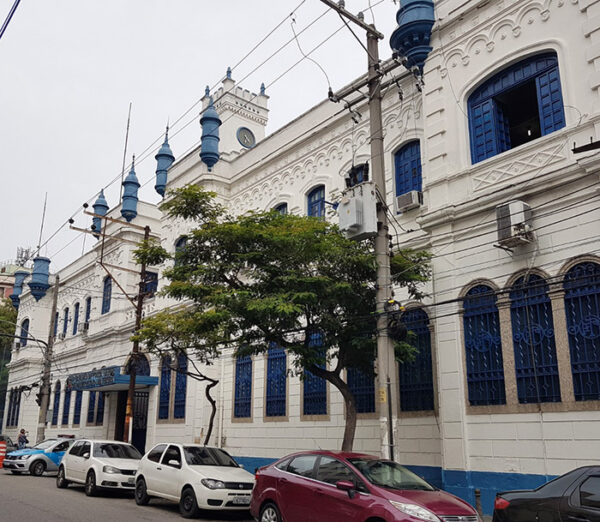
37	499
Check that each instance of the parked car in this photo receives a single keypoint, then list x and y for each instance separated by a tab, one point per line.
198	477
573	496
99	464
353	487
45	456
10	445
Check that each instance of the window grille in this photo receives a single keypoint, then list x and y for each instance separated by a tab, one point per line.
407	163
582	308
242	407
533	341
483	346
315	388
316	202
416	378
362	387
276	382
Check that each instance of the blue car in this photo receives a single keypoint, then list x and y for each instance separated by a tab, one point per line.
45	456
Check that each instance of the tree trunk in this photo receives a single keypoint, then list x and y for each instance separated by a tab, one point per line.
213	413
350	403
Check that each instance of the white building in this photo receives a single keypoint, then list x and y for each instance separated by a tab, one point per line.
506	390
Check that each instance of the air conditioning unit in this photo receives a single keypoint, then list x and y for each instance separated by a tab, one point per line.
86	326
61	336
514	224
408	201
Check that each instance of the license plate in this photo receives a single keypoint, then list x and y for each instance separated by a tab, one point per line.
241	500
130	480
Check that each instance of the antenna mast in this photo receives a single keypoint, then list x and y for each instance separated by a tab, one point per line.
39	246
125	152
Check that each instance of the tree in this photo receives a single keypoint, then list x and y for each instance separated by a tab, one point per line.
266	279
8	316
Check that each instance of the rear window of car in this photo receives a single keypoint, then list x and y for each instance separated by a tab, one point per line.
303	465
116	451
200	456
156	453
283	464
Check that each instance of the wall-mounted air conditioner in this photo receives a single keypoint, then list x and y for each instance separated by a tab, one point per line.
408	201
514	223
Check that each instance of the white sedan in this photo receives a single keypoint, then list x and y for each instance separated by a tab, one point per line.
198	477
99	464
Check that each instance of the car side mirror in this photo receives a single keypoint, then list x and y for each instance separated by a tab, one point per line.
86	455
174	463
346	485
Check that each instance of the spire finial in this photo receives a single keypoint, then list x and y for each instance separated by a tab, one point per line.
167	132
207	91
229	73
133	162
262	89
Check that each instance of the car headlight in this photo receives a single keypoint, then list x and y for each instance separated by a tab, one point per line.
415	511
213	484
24	457
111	469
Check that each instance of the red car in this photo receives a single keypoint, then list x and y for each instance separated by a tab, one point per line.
332	486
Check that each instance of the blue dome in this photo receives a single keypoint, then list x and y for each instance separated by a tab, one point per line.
39	277
130	194
100	208
413	34
20	276
164	159
210	121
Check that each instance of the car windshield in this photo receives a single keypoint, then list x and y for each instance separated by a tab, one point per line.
389	474
116	451
199	456
45	444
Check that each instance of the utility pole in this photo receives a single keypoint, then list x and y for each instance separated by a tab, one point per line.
47	367
386	361
133	361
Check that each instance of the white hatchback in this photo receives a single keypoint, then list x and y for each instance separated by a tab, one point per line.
198	477
99	464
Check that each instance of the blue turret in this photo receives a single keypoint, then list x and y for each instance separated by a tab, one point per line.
164	159
20	276
130	194
413	34
210	121
39	277
100	208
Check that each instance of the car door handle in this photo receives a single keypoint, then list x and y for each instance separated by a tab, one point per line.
158	468
284	480
319	491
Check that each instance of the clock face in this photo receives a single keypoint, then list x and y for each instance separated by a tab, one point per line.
245	137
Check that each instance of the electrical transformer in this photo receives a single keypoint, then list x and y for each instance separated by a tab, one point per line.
358	211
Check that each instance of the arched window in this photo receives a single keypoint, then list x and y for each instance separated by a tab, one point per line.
66	407
362	387
151	284
100	410
14	405
242	405
56	317
582	307
407	166
316	202
24	333
75	318
106	294
282	208
65	321
180	387
91	408
517	105
533	341
483	347
56	405
77	408
315	388
416	378
88	309
165	388
276	393
180	245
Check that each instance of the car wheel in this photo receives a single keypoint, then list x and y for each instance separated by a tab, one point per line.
141	494
188	506
90	484
37	468
61	481
270	513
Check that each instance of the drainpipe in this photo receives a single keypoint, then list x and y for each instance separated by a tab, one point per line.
221	404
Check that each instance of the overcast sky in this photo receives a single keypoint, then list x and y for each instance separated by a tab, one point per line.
69	68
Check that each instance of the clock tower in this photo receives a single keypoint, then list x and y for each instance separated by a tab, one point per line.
244	115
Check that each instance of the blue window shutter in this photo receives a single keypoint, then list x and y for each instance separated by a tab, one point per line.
24	333
65	322
56	316
416	378
106	295
362	387
151	284
242	407
18	394
582	308
315	388
483	347
282	208
91	408
408	168
165	388
66	407
536	365
56	405
502	129
276	382
100	411
77	410
88	309
550	102
483	131
11	404
316	202
75	318
180	387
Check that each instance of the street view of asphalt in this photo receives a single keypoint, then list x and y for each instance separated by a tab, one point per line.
37	499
